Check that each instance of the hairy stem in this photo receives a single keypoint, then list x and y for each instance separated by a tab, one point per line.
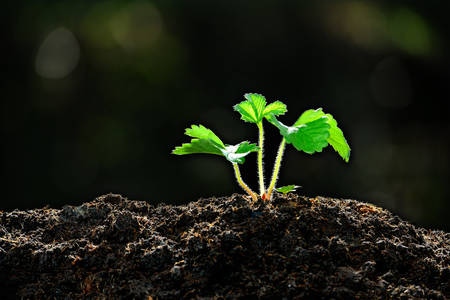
262	189
242	183
276	169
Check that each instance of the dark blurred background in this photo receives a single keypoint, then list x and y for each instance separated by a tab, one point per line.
96	94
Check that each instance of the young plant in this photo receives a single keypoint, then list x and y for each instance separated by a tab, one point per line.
205	141
313	131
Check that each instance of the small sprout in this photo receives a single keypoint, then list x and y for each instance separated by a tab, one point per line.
313	131
287	188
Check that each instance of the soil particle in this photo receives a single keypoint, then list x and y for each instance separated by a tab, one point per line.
224	248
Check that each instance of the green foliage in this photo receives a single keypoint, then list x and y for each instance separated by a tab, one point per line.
205	141
309	137
287	188
254	109
276	108
237	153
313	131
336	138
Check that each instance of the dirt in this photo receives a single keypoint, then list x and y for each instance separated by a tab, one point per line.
295	247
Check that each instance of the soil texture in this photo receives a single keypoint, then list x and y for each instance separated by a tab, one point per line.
221	248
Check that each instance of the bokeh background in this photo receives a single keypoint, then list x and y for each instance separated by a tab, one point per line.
96	94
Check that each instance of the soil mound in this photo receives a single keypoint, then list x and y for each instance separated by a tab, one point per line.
296	247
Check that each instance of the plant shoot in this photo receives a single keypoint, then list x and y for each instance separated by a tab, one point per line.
313	131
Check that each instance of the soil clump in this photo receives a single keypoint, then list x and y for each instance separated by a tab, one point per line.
222	248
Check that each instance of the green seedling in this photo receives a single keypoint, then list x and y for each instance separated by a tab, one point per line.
313	131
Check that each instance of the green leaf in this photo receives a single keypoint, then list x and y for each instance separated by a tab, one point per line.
254	109
201	132
205	141
276	108
287	188
198	146
237	153
309	116
309	137
251	110
336	138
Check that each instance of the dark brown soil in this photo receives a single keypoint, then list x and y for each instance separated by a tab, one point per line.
297	247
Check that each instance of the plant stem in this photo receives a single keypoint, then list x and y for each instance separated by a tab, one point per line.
276	169
242	183
262	189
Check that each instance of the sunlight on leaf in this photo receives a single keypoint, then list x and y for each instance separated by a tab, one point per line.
309	137
254	109
336	138
205	141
